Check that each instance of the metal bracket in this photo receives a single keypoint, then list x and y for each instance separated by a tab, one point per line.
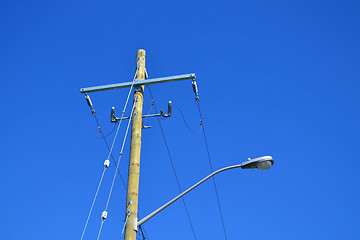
145	127
115	119
138	88
135	224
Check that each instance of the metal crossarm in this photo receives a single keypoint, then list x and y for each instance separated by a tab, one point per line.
138	82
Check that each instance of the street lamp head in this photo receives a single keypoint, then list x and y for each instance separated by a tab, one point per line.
263	163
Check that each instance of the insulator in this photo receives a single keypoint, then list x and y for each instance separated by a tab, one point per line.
106	163
195	89
112	116
88	100
169	109
104	215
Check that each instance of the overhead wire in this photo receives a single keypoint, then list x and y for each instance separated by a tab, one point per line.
197	100
106	135
92	205
187	125
110	151
100	129
113	181
108	147
172	165
102	175
145	118
126	219
112	157
142	232
123	111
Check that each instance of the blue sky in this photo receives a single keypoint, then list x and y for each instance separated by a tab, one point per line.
276	78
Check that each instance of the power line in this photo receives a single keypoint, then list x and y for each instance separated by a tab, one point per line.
104	215
106	135
208	153
88	100
113	159
187	125
143	233
108	147
92	205
172	164
122	232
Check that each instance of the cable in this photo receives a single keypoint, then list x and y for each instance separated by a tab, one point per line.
187	125
208	153
112	157
123	112
99	127
172	164
113	181
102	223
122	232
108	133
121	152
145	118
92	205
108	147
142	232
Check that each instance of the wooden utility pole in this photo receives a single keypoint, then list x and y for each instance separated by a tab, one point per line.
132	222
135	146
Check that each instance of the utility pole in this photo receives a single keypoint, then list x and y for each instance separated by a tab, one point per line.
135	147
131	225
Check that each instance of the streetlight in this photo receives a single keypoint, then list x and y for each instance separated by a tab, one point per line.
263	163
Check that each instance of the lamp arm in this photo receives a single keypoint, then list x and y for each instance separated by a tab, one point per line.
183	193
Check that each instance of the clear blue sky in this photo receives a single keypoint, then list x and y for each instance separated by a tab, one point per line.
276	78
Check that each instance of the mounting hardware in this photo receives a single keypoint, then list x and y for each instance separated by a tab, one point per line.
115	119
169	111
145	127
135	225
88	100
195	89
146	74
169	108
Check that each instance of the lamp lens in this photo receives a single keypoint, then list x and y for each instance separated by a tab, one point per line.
264	165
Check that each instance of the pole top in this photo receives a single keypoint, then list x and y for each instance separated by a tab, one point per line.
141	53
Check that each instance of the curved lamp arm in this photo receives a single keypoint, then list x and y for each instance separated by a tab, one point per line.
185	192
262	163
